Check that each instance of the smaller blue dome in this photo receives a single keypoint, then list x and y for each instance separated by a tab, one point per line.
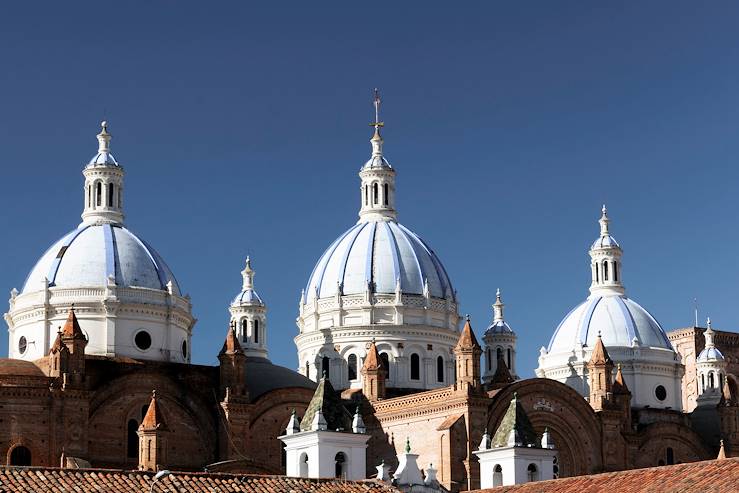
102	159
247	296
499	327
606	241
710	354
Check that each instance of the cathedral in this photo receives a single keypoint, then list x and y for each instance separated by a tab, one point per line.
390	381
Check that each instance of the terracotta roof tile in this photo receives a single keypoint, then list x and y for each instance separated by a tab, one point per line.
710	476
48	480
619	384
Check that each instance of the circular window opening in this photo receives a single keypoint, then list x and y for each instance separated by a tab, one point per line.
660	393
184	349
22	344
142	340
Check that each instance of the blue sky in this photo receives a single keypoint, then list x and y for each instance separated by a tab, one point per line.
242	127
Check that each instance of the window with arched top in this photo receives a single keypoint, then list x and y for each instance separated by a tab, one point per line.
385	364
440	369
376	193
89	195
597	273
20	456
488	355
99	194
385	189
303	465
256	332
532	473
670	456
710	380
110	194
352	365
340	465
508	351
703	383
498	354
605	270
325	367
615	271
366	195
244	330
497	475
132	439
415	367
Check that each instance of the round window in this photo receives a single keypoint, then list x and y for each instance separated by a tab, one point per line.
660	393
184	349
22	344
142	340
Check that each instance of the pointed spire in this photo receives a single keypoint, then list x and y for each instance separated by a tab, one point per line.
72	328
721	451
619	384
248	275
485	441
515	429
231	345
104	138
502	373
546	440
319	422
600	354
293	426
709	333
467	339
358	423
376	137
373	360
498	308
154	419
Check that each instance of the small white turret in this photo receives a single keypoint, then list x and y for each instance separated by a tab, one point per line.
249	315
103	184
605	263
500	343
711	367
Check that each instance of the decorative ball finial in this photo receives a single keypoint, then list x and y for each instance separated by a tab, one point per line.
154	394
467	317
407	445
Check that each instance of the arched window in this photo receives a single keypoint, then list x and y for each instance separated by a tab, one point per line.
132	439
376	193
325	367
352	364
703	383
488	356
532	473
615	271
20	456
99	194
385	192
597	276
244	331
415	367
498	355
303	465
605	270
720	381
340	465
508	351
497	475
710	380
366	195
385	364
670	456
110	195
440	369
256	332
89	195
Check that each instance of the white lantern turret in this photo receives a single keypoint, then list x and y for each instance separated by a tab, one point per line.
103	184
249	315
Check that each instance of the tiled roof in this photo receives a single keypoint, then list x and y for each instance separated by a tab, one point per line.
72	329
516	419
48	480
154	420
711	476
329	403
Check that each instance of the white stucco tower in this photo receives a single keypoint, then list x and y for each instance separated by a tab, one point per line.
634	338
126	299
500	343
711	367
249	316
378	281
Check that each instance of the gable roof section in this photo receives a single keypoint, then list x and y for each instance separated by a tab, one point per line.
711	476
48	480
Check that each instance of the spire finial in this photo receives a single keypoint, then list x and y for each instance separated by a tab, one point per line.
604	221
407	445
377	123
498	307
103	138
248	275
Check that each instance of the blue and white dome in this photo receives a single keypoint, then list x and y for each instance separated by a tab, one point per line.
91	254
619	320
379	254
247	295
710	354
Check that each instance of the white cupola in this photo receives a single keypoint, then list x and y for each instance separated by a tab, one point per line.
605	260
249	316
103	184
711	366
378	179
500	343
